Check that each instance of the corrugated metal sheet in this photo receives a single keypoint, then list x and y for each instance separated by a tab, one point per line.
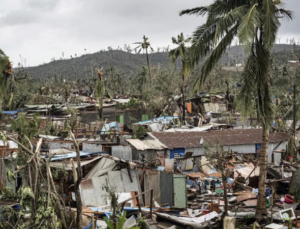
225	137
166	187
68	166
146	144
102	175
92	191
123	152
152	181
69	155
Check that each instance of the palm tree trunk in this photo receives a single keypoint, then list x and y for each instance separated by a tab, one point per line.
261	209
148	68
183	100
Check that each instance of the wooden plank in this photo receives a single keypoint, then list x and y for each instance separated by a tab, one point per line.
245	197
251	203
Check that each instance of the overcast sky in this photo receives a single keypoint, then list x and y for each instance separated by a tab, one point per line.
40	30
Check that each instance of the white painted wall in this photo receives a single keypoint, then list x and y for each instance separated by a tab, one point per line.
245	149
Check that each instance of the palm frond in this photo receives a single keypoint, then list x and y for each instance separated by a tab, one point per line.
214	57
199	11
202	42
245	98
174	41
229	20
270	24
247	30
286	14
265	107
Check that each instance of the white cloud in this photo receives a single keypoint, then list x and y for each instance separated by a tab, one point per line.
42	29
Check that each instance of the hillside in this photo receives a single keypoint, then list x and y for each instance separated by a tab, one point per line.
129	63
82	66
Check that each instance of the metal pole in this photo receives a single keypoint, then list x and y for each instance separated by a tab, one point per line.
151	197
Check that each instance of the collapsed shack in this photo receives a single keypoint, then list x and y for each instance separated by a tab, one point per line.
183	189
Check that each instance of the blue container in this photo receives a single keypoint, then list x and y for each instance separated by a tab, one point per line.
268	192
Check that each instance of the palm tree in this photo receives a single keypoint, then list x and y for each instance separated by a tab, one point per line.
5	73
141	79
99	92
181	51
255	23
114	79
144	46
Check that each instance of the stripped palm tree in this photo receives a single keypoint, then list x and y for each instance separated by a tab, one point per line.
181	51
141	80
255	23
5	73
144	45
99	91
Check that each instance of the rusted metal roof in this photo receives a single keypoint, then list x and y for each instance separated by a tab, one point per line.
224	137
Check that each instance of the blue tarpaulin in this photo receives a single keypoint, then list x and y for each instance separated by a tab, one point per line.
162	119
11	112
106	127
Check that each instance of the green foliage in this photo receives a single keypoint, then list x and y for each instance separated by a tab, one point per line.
141	223
120	222
11	177
7	194
296	193
181	51
26	197
44	215
26	127
139	131
4	61
133	103
7	212
71	123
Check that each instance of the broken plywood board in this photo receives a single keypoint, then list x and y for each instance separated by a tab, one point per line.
169	164
251	203
245	197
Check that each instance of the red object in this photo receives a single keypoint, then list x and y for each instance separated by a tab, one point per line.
206	212
288	199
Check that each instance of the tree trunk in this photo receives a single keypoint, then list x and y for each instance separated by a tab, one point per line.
148	68
183	100
224	181
294	153
261	209
77	172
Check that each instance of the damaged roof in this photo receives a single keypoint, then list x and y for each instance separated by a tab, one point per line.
224	137
146	144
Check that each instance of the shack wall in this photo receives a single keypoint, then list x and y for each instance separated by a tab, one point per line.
91	148
59	145
277	156
123	152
